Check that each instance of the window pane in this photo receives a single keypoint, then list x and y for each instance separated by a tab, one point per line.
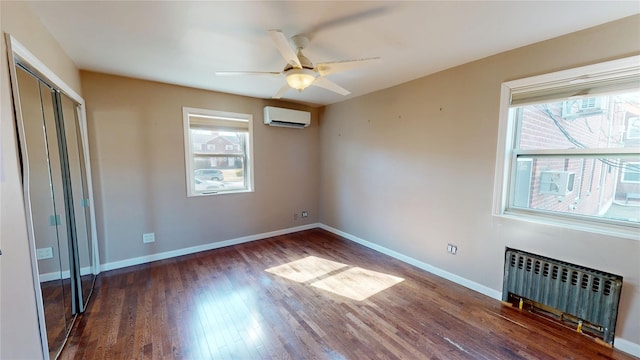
633	128
580	123
227	170
217	142
595	187
631	172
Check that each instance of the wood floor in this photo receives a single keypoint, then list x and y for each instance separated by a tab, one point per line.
57	312
307	295
56	301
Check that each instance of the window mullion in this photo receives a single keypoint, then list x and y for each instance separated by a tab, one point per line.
613	152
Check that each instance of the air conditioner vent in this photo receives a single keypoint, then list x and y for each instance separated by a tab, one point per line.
557	182
274	116
581	107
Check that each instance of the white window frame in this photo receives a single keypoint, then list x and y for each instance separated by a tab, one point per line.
188	149
506	142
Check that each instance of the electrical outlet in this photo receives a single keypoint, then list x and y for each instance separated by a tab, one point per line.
148	238
452	249
304	214
44	253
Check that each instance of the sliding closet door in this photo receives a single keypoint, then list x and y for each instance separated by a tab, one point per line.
77	168
57	193
46	204
47	96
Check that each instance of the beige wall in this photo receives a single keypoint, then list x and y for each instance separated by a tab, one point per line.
19	334
411	168
137	147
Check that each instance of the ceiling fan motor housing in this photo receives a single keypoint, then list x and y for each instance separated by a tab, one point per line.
304	61
299	42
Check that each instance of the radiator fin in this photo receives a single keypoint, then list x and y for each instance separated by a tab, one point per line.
587	294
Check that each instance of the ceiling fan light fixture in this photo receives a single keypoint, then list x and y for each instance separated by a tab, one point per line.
300	79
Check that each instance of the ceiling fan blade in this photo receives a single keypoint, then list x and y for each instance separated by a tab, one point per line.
281	92
349	19
287	52
333	67
247	73
330	85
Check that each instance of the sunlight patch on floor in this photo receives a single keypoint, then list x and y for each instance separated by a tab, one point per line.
306	269
352	282
357	283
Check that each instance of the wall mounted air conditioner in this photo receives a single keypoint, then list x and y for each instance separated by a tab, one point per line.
575	108
556	182
274	116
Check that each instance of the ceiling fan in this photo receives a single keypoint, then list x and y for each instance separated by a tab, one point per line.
300	72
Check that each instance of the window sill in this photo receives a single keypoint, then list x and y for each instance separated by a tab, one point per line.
218	193
621	231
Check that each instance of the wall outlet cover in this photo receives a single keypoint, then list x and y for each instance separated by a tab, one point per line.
148	238
44	253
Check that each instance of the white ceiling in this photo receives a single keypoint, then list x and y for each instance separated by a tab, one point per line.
184	43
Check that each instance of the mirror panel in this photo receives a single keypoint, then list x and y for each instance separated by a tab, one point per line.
46	231
56	182
79	186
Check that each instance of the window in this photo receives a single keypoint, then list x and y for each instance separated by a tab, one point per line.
567	152
631	172
216	171
633	128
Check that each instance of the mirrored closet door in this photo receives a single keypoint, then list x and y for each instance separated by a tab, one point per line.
57	197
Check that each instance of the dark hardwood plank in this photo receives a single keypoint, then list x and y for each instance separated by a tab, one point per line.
57	311
223	304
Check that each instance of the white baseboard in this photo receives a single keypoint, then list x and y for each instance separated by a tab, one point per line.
620	344
62	274
191	250
627	346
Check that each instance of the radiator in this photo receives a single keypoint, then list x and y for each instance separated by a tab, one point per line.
589	295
